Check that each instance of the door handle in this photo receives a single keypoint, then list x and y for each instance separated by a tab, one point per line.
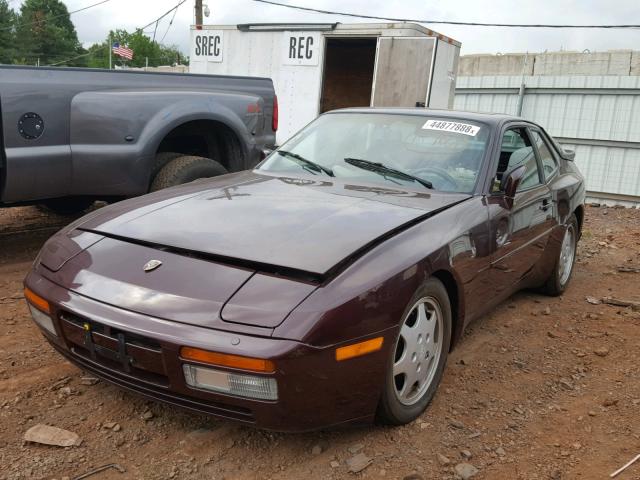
546	204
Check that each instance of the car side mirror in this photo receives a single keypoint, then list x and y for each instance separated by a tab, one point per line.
510	183
569	155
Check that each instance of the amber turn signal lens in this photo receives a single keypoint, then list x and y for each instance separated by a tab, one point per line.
37	301
359	349
226	360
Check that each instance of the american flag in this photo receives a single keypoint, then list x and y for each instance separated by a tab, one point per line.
122	51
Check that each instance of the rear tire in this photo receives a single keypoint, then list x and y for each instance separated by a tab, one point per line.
557	282
162	159
186	169
66	205
420	350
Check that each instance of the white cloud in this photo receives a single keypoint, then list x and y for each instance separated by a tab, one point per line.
93	24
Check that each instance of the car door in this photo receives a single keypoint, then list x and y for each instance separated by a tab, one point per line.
519	229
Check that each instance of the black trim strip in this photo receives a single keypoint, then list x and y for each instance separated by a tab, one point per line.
260	267
360	252
277	270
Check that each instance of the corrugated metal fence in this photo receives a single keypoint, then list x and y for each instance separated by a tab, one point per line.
597	116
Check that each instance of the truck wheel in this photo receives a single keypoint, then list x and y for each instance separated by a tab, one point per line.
162	159
66	205
186	169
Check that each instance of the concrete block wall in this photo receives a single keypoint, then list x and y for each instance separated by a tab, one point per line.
635	63
597	63
508	64
613	62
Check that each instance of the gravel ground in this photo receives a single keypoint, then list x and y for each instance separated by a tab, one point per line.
540	388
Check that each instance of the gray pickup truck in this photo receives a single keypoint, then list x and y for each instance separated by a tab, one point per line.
71	136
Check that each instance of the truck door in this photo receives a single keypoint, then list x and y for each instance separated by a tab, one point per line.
402	71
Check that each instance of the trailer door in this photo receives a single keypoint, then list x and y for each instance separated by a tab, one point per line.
403	71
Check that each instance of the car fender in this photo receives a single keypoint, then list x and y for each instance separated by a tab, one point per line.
373	292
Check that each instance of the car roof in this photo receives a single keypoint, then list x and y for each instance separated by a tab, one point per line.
487	118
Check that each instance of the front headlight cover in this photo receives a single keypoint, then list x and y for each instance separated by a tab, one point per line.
42	319
248	386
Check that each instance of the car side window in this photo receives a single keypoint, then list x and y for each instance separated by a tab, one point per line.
549	163
517	150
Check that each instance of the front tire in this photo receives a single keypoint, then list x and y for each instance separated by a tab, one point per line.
419	356
557	282
186	169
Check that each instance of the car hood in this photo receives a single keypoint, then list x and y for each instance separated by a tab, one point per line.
266	221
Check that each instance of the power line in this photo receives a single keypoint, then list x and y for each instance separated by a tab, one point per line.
161	57
157	20
443	22
161	16
42	54
170	23
47	19
69	59
154	31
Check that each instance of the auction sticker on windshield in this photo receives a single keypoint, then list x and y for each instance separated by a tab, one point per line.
455	127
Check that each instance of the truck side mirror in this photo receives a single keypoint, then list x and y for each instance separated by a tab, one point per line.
265	152
510	183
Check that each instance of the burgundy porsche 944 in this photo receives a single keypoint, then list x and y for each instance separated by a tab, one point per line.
327	285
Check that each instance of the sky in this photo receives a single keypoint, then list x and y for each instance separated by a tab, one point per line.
93	25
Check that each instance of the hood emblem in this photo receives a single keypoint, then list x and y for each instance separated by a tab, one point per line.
152	265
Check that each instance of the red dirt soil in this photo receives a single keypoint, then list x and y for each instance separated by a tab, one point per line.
540	388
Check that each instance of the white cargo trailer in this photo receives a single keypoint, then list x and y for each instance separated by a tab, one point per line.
320	67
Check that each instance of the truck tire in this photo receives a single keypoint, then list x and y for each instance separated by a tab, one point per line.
186	169
162	159
66	205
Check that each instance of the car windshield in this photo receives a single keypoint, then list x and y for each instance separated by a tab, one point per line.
421	152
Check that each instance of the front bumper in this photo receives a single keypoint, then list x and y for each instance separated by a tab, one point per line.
141	354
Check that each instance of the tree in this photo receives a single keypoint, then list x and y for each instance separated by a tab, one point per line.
7	40
143	48
44	31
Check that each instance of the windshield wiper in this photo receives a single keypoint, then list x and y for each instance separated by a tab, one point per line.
380	168
307	163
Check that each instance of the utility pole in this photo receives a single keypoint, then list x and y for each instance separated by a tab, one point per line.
110	50
198	14
523	87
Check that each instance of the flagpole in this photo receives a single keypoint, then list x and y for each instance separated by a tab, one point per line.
110	49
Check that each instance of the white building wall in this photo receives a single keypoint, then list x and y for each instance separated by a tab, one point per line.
260	54
253	51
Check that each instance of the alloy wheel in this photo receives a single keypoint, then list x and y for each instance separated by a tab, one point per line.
567	254
418	351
